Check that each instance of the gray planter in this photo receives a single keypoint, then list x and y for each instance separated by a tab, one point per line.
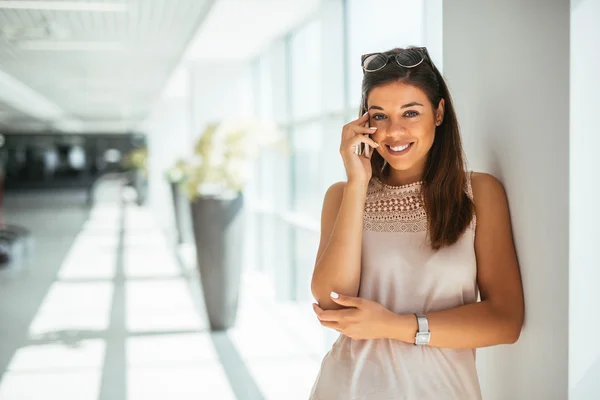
137	180
218	227
178	201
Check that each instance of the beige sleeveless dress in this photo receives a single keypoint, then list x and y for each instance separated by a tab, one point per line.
401	272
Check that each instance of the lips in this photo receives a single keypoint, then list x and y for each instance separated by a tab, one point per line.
398	143
399	148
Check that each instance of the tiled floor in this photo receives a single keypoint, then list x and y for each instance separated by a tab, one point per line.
107	309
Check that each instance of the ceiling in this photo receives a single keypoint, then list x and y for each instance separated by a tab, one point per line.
98	66
229	34
89	66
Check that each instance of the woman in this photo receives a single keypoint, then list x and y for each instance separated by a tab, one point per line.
407	245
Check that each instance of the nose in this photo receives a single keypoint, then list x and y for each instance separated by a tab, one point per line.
397	128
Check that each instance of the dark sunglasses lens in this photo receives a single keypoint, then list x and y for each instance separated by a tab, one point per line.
374	62
409	58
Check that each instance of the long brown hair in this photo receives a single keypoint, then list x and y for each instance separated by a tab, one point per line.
449	209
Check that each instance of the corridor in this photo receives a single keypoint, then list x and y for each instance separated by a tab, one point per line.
107	308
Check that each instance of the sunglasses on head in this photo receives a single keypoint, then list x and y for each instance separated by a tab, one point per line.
408	58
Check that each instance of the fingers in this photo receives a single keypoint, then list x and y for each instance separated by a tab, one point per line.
362	120
348	301
364	139
350	131
329	316
357	126
334	315
326	315
332	325
351	144
364	130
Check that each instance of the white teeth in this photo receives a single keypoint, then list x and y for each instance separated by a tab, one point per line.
400	148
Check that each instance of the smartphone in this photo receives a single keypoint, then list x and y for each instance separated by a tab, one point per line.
366	148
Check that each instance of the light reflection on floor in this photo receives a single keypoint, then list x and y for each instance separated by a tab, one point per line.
167	352
65	354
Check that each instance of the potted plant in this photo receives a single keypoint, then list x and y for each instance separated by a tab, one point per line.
176	175
217	174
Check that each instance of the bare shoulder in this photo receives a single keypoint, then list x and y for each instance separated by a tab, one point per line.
333	199
487	190
491	208
335	190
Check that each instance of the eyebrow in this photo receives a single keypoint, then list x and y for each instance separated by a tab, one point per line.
414	103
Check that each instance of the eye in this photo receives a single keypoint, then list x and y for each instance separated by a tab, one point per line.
378	117
411	114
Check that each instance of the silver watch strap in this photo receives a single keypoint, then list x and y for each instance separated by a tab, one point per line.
422	322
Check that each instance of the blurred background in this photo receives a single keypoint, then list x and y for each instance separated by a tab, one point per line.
163	165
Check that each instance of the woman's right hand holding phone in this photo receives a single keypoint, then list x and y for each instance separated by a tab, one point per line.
358	167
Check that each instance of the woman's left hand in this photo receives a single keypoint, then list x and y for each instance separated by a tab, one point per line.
365	320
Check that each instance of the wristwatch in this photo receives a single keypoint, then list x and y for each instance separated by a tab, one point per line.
423	335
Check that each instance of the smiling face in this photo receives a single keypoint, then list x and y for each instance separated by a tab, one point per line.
406	122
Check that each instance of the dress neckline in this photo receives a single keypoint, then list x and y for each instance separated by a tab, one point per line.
398	187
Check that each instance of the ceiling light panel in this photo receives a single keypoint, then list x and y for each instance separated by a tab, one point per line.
79	59
57	45
65	6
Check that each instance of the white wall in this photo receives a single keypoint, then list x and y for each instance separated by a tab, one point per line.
169	136
221	89
433	31
507	63
584	270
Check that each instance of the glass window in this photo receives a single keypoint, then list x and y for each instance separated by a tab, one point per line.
270	86
371	30
332	165
306	147
264	88
306	246
305	68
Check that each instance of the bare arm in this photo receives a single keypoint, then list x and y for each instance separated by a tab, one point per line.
337	265
498	318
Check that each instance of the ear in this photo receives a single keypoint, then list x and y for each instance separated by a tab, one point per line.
439	114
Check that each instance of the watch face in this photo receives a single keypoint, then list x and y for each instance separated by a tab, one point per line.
423	338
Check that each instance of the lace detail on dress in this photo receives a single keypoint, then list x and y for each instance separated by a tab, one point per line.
400	208
394	208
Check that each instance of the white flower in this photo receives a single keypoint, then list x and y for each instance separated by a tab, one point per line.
176	175
223	154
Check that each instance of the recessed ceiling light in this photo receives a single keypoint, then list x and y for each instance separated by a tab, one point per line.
65	5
